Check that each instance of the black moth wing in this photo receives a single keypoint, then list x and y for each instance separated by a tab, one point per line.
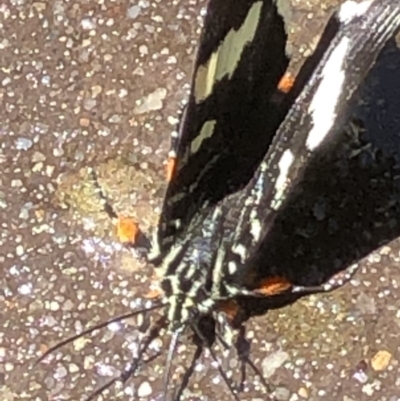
317	115
230	118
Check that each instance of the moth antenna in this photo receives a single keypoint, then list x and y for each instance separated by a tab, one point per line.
153	333
103	388
225	378
96	327
171	351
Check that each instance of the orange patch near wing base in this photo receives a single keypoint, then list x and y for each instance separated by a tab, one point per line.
286	83
230	307
127	229
273	286
170	168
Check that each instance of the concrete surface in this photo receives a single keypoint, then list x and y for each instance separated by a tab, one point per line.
100	84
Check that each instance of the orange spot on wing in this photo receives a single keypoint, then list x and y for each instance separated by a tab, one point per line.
286	83
170	168
127	229
273	286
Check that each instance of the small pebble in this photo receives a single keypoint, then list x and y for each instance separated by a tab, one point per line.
23	143
144	389
133	12
380	361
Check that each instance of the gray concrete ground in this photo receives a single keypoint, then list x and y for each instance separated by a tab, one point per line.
100	84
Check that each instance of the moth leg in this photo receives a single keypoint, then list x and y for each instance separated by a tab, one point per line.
233	324
205	334
206	326
128	230
242	347
188	373
336	281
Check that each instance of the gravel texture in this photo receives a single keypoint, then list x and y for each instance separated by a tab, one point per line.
100	84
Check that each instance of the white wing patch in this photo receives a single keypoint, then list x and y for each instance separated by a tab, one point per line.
217	272
351	9
241	251
284	164
322	108
255	229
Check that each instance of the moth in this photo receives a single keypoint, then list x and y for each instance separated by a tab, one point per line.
241	149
